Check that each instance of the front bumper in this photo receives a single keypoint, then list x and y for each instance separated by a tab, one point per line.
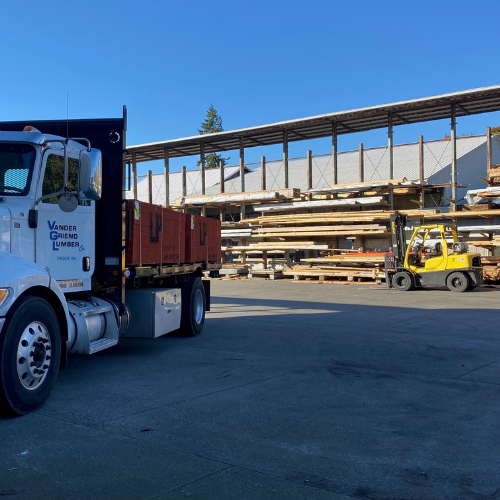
2	321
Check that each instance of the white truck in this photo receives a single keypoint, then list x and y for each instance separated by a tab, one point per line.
64	283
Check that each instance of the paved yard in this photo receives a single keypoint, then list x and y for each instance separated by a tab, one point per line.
293	391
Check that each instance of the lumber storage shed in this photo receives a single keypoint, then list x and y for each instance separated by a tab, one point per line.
323	206
452	105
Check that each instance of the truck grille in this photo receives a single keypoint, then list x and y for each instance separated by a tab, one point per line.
476	262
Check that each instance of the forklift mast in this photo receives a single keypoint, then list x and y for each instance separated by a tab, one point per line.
398	224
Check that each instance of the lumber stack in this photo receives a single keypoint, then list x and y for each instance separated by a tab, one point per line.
343	245
352	266
493	175
491	268
308	243
337	217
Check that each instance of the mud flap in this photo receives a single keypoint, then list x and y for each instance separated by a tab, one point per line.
206	285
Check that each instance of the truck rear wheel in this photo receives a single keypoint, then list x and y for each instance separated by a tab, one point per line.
30	352
193	307
457	282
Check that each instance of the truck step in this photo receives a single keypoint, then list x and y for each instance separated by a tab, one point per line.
101	344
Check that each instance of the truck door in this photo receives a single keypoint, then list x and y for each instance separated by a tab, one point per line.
65	242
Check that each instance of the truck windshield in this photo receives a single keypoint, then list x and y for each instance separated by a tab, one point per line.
16	168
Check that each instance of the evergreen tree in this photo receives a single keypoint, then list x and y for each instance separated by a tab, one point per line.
212	124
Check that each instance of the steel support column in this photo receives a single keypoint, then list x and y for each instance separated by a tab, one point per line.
361	163
285	156
222	211
390	150
421	169
202	167
453	156
263	179
242	175
167	178
184	187
222	177
202	174
488	161
488	147
150	186
309	169
334	154
134	174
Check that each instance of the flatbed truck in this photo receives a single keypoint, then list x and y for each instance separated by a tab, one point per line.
64	283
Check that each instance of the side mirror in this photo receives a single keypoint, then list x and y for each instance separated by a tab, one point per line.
90	175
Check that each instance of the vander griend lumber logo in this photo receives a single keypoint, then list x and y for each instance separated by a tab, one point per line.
63	236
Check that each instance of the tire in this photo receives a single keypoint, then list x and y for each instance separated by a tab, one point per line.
457	282
30	340
193	307
403	281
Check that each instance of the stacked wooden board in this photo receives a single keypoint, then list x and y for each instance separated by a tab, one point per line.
309	245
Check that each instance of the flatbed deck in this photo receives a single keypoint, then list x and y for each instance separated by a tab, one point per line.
167	270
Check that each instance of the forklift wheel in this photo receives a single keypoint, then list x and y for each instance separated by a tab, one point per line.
457	282
403	281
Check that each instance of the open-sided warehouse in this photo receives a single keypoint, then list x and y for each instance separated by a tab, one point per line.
315	196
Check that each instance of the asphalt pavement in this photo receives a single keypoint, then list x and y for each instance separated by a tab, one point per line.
294	390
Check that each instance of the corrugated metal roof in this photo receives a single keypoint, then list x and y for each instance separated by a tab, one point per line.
467	102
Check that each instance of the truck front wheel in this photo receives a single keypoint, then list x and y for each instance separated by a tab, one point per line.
403	281
193	307
30	352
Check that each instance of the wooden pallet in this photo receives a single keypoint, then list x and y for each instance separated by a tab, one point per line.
266	273
352	273
233	271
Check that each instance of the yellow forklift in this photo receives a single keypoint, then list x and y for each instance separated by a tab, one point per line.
417	264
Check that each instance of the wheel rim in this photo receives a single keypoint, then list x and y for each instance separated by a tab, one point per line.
402	281
457	282
198	306
33	355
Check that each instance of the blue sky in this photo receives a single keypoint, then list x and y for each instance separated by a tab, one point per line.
256	62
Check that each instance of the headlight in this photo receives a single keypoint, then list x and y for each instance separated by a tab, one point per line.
4	293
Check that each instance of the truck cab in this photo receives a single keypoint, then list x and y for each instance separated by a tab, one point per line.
64	282
33	224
